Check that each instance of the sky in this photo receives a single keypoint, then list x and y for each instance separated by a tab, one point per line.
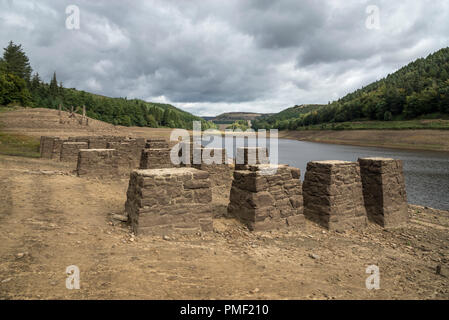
213	56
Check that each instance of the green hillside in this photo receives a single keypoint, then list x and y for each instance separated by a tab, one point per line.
419	90
275	120
19	86
232	117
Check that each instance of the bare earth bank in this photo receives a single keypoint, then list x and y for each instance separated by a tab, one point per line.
437	140
51	219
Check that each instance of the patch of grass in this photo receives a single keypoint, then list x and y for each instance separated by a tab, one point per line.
8	108
19	145
383	125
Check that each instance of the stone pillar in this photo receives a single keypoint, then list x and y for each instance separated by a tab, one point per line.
156	159
128	152
333	195
191	149
46	147
100	163
384	191
57	146
69	150
250	156
267	196
165	201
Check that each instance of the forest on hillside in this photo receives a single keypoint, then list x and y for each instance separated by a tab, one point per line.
420	89
20	86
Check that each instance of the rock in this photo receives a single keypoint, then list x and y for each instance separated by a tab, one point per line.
442	270
166	237
6	280
256	290
314	256
20	255
120	217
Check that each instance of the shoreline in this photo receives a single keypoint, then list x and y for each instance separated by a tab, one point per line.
416	140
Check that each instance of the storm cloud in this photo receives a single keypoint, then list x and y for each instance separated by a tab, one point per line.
210	56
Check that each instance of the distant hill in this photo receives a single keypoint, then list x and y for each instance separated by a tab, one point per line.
231	117
420	89
289	113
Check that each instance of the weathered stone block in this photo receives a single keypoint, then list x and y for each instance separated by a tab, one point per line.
266	196
46	147
57	147
129	152
171	200
333	194
69	150
155	159
384	191
189	153
99	163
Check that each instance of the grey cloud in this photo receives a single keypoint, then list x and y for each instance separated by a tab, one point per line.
214	56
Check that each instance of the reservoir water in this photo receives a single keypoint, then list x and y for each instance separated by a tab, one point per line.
426	172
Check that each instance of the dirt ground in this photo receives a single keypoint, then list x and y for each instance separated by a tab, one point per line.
51	219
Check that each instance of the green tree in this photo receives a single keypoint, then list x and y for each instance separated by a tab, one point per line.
16	62
13	90
35	82
151	121
388	116
54	90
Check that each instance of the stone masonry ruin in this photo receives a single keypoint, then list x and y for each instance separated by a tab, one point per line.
128	152
165	201
337	195
155	159
98	163
155	143
69	150
384	191
267	196
156	155
57	147
46	147
333	195
188	152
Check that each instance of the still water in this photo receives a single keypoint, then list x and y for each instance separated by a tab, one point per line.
426	172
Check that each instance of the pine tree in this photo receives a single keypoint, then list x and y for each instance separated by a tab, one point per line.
2	66
54	86
35	81
166	118
16	62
